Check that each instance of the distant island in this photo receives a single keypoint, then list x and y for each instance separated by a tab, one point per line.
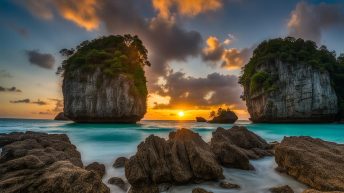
104	80
292	80
221	116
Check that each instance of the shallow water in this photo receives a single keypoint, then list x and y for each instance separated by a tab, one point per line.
105	142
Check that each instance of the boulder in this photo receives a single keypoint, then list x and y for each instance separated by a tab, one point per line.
281	189
120	162
37	162
200	119
317	163
228	185
97	168
200	190
234	147
118	182
61	117
183	158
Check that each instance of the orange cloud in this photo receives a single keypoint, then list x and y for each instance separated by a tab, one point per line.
185	7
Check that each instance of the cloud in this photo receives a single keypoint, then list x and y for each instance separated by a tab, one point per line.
42	60
12	89
5	74
215	89
21	101
309	21
81	12
185	7
231	58
58	105
28	101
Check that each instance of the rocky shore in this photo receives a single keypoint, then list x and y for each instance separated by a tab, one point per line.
38	162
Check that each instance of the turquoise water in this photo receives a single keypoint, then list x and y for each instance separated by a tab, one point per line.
105	142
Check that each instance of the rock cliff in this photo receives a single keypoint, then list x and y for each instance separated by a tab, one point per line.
97	98
104	80
289	80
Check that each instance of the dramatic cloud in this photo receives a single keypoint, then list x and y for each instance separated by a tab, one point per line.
40	59
232	58
81	12
38	102
308	21
5	74
21	101
215	89
12	89
185	7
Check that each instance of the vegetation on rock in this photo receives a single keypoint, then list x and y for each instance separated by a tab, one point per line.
292	51
113	55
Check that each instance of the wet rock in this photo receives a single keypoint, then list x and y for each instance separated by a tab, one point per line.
200	190
118	182
37	162
234	147
96	167
144	189
120	162
201	119
228	185
317	163
61	117
184	158
281	189
316	191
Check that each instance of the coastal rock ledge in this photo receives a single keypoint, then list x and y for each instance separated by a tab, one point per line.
314	162
38	163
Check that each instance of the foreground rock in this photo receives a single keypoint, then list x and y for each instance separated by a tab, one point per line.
281	189
97	168
184	158
118	182
314	162
201	119
37	162
316	191
200	190
234	147
120	162
228	185
61	117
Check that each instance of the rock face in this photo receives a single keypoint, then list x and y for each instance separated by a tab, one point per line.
234	147
201	119
314	162
120	162
36	162
225	117
118	182
95	97
61	117
281	189
184	158
302	94
97	168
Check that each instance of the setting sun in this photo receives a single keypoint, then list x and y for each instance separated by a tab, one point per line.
181	114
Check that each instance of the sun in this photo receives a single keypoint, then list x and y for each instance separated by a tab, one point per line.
181	114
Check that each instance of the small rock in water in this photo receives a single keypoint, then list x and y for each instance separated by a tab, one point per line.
200	190
228	185
281	189
97	168
201	119
118	182
120	162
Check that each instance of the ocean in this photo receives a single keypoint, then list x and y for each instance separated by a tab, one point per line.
105	142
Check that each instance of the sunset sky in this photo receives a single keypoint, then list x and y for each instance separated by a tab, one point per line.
196	47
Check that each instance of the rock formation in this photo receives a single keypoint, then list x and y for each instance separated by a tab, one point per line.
200	119
281	189
184	158
234	147
283	83
118	182
224	116
37	162
120	162
314	162
316	191
61	117
200	190
97	168
228	185
104	80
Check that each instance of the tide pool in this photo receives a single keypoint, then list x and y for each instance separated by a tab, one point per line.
105	142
